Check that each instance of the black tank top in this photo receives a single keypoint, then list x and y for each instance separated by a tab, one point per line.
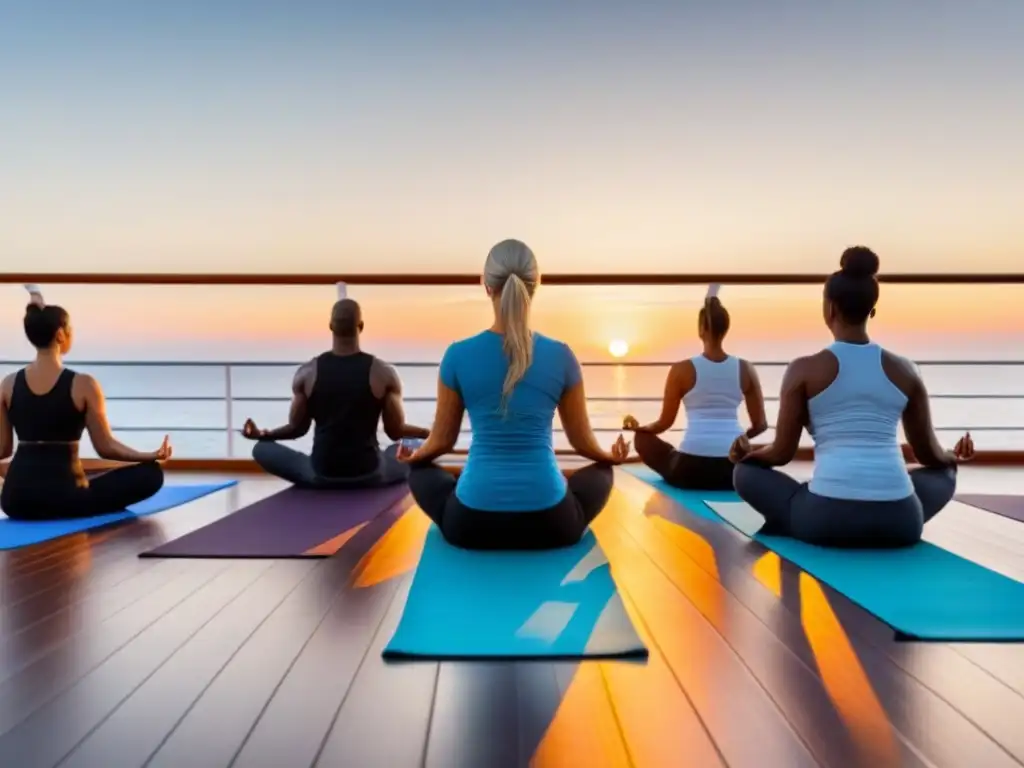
48	427
346	415
47	418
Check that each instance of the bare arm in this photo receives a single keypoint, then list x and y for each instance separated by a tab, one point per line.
393	412
918	428
103	440
790	424
298	413
447	423
679	381
572	410
754	399
6	430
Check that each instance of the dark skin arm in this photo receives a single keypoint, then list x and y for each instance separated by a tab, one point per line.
754	399
299	420
387	385
917	416
680	380
791	421
447	424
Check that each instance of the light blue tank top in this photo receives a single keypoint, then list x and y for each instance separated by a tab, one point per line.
711	406
855	426
511	465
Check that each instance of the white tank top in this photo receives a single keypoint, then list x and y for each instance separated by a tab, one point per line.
855	423
711	406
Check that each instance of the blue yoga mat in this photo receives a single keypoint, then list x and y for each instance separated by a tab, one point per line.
554	604
923	592
18	533
692	500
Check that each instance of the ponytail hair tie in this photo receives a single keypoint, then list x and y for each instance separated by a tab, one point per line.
713	290
342	291
36	294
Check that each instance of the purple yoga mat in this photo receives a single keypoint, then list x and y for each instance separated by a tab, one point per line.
287	524
1007	506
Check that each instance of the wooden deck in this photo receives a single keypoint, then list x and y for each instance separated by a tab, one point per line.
111	661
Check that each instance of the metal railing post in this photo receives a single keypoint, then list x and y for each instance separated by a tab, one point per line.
229	412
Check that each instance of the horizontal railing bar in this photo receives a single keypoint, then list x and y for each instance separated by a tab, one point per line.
420	364
223	430
556	278
433	399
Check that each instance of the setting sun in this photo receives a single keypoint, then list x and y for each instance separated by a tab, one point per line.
618	348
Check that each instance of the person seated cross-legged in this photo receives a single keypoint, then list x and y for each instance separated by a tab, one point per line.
851	397
343	394
512	493
711	387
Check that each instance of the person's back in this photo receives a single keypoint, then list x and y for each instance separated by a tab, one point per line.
346	415
511	380
855	424
49	427
852	398
511	464
712	407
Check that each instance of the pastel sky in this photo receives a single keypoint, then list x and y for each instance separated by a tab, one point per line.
263	135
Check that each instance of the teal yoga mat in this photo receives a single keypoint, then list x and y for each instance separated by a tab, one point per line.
18	533
923	592
554	604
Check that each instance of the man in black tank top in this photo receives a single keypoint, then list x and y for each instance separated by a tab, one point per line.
343	394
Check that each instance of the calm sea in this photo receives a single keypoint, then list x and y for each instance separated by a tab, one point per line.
188	402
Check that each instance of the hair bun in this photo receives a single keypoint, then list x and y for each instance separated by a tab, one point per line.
859	262
32	308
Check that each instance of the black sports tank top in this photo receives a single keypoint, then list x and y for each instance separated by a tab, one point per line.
346	415
47	418
48	427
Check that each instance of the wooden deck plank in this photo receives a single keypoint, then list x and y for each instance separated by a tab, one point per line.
64	624
659	723
45	734
38	673
132	732
850	638
385	715
745	723
478	716
220	721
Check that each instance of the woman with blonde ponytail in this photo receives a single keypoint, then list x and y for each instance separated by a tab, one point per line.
711	386
511	380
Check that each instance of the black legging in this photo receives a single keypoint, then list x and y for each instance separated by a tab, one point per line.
297	467
562	525
684	470
790	509
31	493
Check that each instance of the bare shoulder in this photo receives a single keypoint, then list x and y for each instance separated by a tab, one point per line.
7	387
384	371
85	384
901	371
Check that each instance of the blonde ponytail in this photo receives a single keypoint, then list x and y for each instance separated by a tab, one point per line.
511	274
514	309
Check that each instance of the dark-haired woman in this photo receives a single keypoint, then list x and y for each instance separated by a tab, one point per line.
49	406
852	397
711	387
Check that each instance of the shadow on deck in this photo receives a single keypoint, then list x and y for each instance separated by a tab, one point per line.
108	660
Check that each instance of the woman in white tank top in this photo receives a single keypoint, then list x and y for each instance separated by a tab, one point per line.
851	397
711	387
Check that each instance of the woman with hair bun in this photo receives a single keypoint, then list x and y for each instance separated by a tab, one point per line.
511	380
711	387
852	397
49	406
